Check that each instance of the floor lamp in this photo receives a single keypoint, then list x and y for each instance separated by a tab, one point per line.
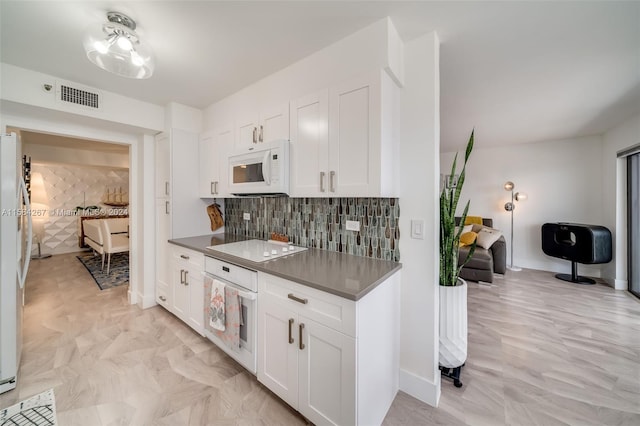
39	212
510	207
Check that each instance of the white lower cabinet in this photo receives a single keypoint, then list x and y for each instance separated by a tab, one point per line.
309	351
186	285
327	375
278	354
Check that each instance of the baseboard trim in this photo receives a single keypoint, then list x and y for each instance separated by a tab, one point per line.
420	388
146	301
620	284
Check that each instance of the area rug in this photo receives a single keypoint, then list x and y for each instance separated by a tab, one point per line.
118	274
39	410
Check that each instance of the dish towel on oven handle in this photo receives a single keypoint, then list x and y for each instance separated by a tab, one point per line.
217	308
233	314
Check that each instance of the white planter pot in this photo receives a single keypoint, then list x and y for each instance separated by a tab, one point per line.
453	325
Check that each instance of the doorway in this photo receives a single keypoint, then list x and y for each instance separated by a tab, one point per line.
81	179
633	220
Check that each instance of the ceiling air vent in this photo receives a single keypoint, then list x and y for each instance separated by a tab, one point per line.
78	95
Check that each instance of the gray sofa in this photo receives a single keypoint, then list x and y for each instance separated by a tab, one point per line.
484	262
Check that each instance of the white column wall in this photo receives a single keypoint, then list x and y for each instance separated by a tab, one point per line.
419	199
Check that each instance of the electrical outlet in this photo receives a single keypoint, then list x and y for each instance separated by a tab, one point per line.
353	225
246	216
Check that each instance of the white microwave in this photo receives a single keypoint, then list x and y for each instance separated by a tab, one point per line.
260	170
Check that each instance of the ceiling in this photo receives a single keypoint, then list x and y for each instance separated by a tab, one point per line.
516	71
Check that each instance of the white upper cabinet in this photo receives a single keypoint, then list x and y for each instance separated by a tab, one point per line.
309	150
361	154
274	123
268	125
246	130
341	140
214	147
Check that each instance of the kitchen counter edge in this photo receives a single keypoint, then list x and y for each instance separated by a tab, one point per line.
200	244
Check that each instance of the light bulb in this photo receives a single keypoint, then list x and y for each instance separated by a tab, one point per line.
508	186
101	47
137	59
520	196
124	43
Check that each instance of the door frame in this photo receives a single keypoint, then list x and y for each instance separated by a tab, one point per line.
140	142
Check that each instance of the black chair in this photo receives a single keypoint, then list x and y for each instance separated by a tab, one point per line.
578	243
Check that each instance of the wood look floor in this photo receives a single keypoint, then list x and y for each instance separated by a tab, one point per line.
541	352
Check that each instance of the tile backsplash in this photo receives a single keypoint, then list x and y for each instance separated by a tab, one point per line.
321	223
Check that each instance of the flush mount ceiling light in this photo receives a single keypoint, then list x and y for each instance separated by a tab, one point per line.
115	47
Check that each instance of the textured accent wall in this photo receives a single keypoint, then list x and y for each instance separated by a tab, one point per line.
68	186
321	223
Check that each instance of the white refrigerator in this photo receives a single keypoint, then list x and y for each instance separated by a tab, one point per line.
15	253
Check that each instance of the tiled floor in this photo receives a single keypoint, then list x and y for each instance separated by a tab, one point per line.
541	352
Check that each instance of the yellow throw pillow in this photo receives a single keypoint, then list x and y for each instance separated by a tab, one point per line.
469	220
467	238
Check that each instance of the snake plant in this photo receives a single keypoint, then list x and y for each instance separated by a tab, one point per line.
449	236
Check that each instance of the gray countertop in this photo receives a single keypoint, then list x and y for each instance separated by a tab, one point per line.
344	275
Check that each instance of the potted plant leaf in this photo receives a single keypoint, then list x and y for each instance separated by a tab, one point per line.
453	289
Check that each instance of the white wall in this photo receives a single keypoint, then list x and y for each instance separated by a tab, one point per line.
563	180
374	47
68	186
178	116
617	139
77	156
25	86
419	178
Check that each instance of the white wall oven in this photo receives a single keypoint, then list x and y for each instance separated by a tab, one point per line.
238	339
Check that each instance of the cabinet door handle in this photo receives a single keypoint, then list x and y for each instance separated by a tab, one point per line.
322	181
213	191
166	188
300	328
181	276
261	134
186	278
166	207
225	269
255	137
297	299
290	336
332	176
216	187
184	256
164	299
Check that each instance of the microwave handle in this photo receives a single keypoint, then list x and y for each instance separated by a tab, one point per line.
266	167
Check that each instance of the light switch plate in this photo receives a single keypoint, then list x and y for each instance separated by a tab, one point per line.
353	225
417	229
246	216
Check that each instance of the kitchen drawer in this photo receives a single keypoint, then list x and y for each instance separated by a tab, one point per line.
163	296
232	273
192	257
328	309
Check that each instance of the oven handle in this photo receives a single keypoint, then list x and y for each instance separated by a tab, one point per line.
249	295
